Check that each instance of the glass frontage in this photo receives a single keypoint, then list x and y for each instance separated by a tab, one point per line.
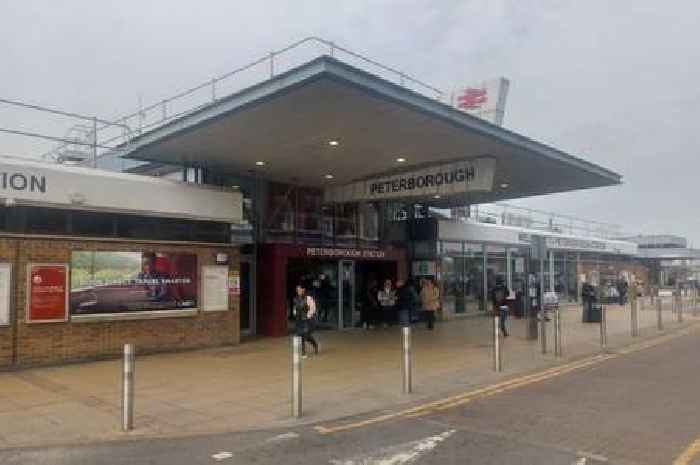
452	277
473	277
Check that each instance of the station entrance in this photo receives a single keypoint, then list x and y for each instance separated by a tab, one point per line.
341	288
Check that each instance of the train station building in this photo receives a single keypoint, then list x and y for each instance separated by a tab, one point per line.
325	174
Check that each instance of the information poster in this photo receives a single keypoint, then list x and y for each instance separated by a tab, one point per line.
120	282
5	293
47	293
234	283
214	288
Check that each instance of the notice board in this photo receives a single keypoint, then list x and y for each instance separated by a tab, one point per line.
47	292
5	293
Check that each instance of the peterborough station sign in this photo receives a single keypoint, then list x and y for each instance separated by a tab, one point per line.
443	180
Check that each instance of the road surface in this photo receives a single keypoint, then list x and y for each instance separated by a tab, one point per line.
635	407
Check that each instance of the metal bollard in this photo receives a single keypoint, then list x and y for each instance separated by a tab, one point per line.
128	388
497	359
297	342
680	310
634	318
406	359
543	330
659	317
603	329
557	333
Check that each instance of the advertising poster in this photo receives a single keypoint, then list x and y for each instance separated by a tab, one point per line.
5	293
119	282
47	293
214	288
234	283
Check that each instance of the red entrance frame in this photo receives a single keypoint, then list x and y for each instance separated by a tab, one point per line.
272	276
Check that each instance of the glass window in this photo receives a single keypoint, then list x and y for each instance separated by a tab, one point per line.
309	214
473	277
346	224
369	220
280	212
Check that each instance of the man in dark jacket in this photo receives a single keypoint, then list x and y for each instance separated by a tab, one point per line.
405	301
499	296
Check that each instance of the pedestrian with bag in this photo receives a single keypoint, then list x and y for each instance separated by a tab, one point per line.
387	302
430	301
304	309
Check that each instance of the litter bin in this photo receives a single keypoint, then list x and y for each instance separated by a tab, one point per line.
595	312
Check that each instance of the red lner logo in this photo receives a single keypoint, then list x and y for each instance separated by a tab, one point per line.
472	99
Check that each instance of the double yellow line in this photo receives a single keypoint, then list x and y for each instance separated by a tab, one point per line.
461	399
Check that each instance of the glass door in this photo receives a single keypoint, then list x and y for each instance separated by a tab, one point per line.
346	294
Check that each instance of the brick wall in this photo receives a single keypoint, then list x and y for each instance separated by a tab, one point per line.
24	344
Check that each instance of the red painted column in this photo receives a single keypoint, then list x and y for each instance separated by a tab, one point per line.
272	286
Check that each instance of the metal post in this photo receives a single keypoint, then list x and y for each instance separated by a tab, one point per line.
659	318
695	303
128	388
497	360
296	376
603	329
406	359
543	328
634	318
557	332
680	309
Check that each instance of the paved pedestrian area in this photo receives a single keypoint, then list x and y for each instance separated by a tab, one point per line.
247	386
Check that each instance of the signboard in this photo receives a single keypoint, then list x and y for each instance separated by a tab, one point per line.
344	253
120	282
5	293
443	180
214	288
52	185
424	268
234	283
574	243
47	293
486	100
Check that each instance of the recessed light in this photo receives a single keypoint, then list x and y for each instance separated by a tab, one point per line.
328	176
236	186
436	196
333	142
259	163
400	160
505	185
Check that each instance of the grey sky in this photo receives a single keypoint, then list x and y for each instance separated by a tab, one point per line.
613	82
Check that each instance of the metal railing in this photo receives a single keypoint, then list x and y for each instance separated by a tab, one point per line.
108	136
531	218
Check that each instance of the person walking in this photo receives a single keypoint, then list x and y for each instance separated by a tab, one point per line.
304	309
499	294
405	301
387	302
430	301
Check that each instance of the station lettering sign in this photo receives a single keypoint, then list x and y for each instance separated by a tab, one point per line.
443	180
18	181
344	253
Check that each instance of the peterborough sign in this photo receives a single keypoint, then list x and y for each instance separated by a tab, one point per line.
442	180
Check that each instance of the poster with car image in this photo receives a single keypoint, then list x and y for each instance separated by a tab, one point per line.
117	282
